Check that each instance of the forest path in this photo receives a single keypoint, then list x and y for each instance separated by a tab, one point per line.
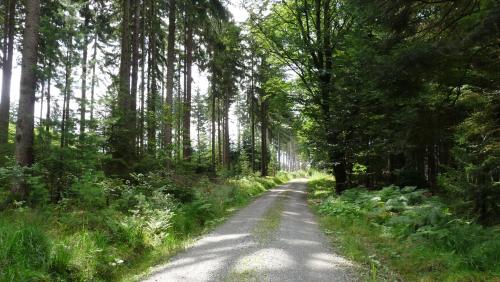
275	238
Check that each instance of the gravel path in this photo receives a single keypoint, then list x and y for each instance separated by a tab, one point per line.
276	238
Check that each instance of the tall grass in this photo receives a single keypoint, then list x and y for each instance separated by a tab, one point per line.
111	230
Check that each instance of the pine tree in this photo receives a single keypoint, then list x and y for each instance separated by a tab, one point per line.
8	56
26	112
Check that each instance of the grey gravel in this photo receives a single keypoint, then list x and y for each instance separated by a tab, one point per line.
298	250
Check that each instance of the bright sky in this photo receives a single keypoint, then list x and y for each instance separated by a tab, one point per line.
200	79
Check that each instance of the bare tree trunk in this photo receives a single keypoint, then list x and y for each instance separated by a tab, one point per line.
219	134
153	93
47	114
143	78
93	82
227	145
162	109
432	166
238	128
40	125
170	77
186	136
123	138
83	102
263	133
214	100
279	151
179	113
135	62
67	93
26	112
8	55
252	115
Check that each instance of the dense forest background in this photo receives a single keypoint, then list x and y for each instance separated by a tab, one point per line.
110	114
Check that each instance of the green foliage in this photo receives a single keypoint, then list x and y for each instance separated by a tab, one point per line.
475	178
24	253
106	229
39	194
244	164
406	225
399	92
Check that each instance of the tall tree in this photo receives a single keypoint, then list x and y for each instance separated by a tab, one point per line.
24	151
263	134
123	137
136	40
170	77
154	76
67	90
319	27
83	102
8	56
186	122
251	103
94	78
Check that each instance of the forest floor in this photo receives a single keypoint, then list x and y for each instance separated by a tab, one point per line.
276	238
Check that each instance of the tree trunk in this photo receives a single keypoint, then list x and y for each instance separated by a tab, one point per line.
219	133
339	169
93	82
186	133
135	62
432	166
123	139
170	77
144	52
238	128
279	151
178	131
252	116
263	132
213	122
26	112
83	102
47	114
162	109
8	55
227	145
153	93
42	94
67	93
199	125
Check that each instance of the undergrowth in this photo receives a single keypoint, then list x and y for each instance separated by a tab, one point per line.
406	234
108	229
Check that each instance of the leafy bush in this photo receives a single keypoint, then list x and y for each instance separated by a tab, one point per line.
87	191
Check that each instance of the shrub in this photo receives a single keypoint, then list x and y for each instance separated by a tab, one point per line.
424	223
88	191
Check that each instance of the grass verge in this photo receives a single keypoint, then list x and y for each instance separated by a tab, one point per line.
402	234
110	230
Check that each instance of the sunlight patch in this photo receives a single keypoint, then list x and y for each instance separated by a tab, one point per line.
265	259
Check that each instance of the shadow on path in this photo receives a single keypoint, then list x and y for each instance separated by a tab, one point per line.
298	251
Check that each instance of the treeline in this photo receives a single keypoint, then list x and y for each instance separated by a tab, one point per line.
377	92
403	92
109	86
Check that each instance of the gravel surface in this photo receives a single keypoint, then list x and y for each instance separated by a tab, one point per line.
276	238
